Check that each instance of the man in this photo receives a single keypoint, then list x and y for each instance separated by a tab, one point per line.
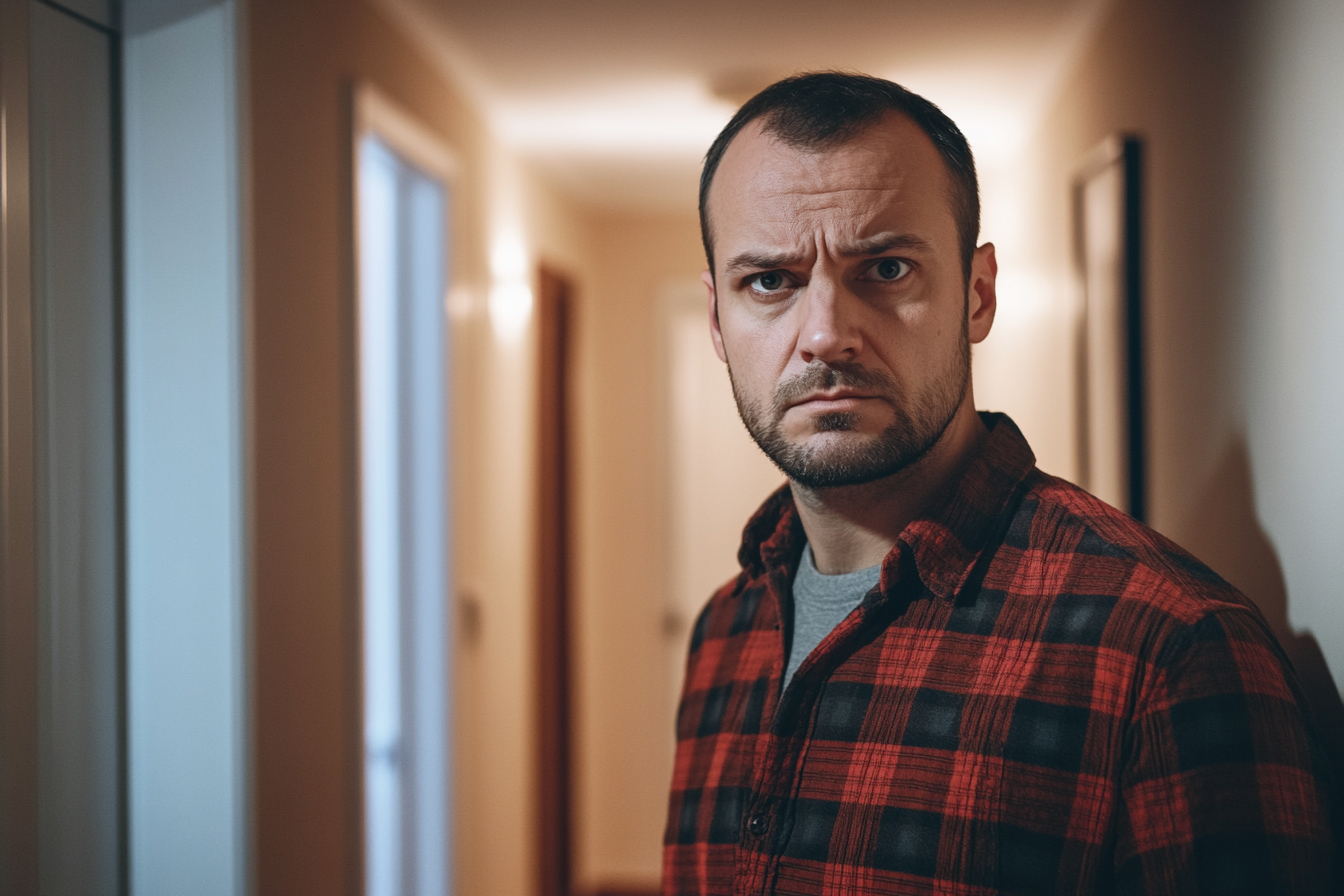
940	669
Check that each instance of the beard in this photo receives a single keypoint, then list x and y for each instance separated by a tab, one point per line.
919	421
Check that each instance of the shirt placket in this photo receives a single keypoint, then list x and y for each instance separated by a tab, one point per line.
778	762
774	767
774	781
780	753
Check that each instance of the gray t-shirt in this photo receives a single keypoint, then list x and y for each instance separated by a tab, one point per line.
820	603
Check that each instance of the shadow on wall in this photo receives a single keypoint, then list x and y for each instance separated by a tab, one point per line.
1234	543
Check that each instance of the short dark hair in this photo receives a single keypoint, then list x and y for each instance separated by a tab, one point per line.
821	110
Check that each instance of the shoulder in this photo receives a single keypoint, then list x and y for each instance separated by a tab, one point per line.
1191	643
1086	543
1094	573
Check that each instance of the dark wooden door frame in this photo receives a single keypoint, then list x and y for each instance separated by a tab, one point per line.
554	296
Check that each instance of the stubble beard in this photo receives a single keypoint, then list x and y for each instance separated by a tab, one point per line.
918	425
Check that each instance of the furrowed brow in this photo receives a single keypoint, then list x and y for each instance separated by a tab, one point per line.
882	243
877	244
760	261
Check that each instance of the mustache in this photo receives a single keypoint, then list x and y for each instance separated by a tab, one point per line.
821	376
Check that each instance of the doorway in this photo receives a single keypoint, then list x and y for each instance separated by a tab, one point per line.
402	215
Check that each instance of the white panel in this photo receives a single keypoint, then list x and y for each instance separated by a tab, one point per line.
427	491
79	541
380	470
403	467
1294	363
184	451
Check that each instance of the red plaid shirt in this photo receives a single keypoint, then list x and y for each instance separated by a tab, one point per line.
1040	696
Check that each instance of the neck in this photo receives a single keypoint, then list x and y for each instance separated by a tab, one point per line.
853	527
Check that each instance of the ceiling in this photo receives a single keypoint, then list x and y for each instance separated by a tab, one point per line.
616	101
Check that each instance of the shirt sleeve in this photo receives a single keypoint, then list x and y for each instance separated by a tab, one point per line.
1223	790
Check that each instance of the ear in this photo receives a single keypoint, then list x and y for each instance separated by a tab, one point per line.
981	299
714	332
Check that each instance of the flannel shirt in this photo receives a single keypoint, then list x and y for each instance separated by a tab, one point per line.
1041	695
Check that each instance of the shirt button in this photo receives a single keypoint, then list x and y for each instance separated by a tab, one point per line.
757	825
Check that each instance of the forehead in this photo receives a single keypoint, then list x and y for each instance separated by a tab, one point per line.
889	175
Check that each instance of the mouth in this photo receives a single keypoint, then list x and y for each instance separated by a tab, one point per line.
832	402
832	390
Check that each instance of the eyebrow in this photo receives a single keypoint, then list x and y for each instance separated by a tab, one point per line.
873	245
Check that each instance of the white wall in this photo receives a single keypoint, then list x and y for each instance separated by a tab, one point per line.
184	458
1293	375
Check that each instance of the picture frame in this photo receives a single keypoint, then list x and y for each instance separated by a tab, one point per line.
1107	193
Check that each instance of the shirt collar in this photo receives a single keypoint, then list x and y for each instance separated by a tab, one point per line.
944	543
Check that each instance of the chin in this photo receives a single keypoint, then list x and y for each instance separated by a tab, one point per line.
830	449
848	438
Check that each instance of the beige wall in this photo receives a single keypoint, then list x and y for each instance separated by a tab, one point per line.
624	722
1167	72
302	57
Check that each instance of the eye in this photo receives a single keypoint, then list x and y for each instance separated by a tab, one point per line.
889	269
768	282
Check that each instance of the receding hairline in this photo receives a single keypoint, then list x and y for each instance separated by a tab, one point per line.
761	127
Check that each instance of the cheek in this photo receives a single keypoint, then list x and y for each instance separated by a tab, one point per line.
938	322
919	341
757	352
751	377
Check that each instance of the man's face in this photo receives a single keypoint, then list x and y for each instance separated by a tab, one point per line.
838	300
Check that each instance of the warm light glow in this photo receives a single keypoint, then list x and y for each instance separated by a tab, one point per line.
510	300
997	127
508	258
651	119
510	309
1025	298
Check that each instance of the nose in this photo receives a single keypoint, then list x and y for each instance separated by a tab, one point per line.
829	331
